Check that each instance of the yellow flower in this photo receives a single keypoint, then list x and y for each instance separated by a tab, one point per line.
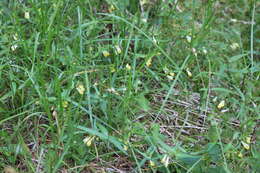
106	53
27	15
125	147
248	140
112	90
14	47
15	36
188	38
88	140
149	62
172	74
188	72
204	50
234	46
151	163
194	51
170	77
112	69
245	145
65	104
81	89
111	8
240	155
118	49
128	67
221	104
144	19
165	160
54	113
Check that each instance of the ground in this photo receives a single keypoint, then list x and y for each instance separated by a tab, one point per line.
129	86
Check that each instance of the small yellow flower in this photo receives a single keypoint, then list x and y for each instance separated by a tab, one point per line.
204	50
65	104
106	53
125	147
149	62
118	49
112	69
151	163
240	155
88	140
54	113
245	145
170	77
112	90
194	51
221	104
81	89
172	74
165	160
234	46
144	19
188	72
27	15
111	8
15	36
248	140
14	47
128	67
188	38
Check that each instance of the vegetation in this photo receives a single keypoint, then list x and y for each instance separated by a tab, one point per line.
129	86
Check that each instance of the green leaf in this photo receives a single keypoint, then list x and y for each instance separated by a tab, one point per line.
102	128
187	158
212	134
143	102
214	151
237	57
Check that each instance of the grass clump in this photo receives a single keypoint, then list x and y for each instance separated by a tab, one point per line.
129	86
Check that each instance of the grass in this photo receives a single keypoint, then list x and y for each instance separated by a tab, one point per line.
129	86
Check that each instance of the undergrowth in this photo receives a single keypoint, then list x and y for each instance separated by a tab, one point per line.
129	86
